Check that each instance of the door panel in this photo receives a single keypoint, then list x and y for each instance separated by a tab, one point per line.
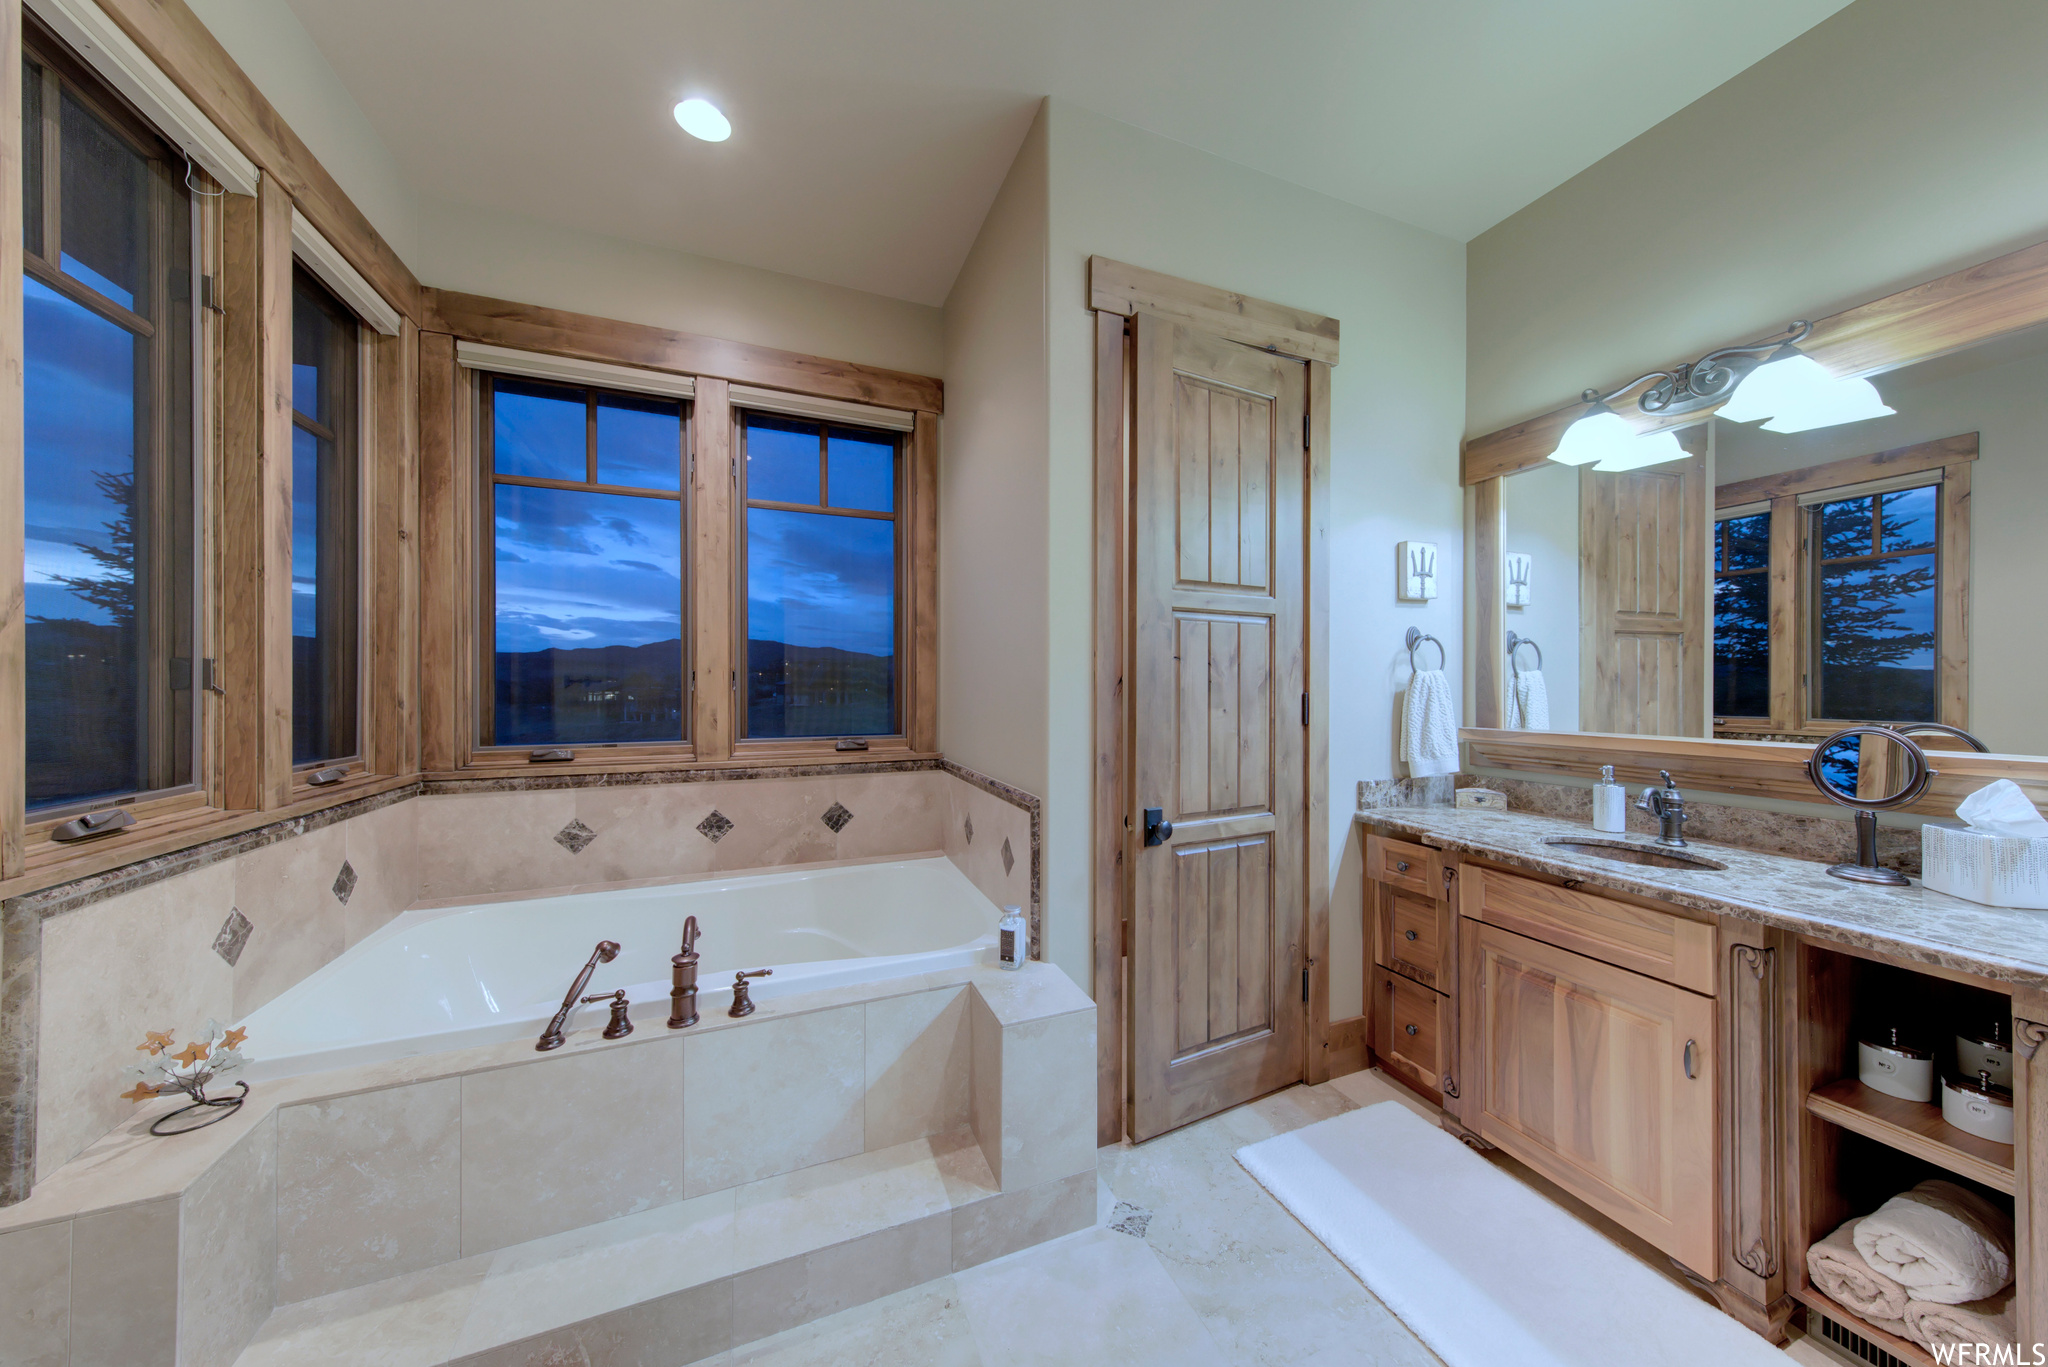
1643	592
1579	1069
1217	594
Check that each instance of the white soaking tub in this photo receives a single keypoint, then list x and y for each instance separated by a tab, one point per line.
451	977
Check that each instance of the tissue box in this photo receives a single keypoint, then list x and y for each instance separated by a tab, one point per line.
1997	870
1486	799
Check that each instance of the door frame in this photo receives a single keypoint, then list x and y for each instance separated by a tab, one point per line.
1117	291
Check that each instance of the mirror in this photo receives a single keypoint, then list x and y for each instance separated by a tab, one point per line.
1869	768
1785	586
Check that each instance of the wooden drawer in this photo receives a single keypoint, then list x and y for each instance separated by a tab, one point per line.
1640	939
1402	865
1412	935
1408	1030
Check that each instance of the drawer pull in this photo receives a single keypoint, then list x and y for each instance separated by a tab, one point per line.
1409	933
1410	1029
1400	866
1689	1072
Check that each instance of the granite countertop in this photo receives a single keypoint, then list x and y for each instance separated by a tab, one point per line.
1797	895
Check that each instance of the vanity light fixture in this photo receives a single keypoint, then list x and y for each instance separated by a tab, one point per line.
1798	394
703	119
1603	439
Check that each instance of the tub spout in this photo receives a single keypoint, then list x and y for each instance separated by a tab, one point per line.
682	995
551	1038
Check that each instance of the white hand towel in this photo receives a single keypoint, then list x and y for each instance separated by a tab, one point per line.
1529	702
1942	1242
1845	1278
1429	725
1990	1322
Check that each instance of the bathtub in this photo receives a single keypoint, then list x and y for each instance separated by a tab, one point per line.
451	977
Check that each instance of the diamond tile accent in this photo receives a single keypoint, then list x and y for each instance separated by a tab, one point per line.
1130	1219
715	827
233	937
836	816
968	825
575	837
1009	859
345	882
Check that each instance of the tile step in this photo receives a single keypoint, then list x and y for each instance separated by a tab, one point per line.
690	1279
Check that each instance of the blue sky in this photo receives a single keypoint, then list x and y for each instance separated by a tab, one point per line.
79	420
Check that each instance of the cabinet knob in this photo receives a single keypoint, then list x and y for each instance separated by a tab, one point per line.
1409	933
1409	1028
1400	866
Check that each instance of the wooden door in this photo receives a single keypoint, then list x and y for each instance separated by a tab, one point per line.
1217	724
1600	1079
1643	593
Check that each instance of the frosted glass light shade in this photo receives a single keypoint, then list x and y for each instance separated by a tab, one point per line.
1797	394
1596	436
1605	441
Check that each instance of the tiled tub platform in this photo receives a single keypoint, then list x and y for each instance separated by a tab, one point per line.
658	1198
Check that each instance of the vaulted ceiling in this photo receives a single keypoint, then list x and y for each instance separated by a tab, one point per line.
869	138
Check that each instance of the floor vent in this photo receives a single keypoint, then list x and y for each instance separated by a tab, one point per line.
1842	1336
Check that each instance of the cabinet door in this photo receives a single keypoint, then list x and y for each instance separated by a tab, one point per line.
1600	1079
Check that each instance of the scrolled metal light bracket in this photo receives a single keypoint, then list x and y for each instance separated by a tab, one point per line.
1706	382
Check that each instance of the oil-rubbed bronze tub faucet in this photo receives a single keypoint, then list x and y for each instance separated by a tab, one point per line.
742	1004
682	995
620	1026
551	1038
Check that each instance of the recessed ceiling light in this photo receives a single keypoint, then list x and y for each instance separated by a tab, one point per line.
701	119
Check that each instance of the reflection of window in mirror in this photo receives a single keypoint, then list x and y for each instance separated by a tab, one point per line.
1742	614
1877	589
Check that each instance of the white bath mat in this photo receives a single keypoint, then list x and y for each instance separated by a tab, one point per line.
1483	1269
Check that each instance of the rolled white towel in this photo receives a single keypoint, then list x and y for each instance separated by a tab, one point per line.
1990	1322
1845	1278
1429	725
1942	1242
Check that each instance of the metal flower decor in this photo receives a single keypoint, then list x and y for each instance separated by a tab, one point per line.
188	1071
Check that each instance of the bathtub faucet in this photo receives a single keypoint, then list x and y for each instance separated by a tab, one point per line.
551	1038
682	995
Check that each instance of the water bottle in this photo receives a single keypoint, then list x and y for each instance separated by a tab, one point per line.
1013	939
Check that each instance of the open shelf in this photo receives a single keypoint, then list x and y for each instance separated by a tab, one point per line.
1913	1127
1905	1350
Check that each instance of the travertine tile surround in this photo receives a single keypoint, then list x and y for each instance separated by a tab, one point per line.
426	1168
90	966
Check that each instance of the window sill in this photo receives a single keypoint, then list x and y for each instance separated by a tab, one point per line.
750	756
169	827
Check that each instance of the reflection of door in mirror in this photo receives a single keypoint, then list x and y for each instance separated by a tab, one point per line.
1643	597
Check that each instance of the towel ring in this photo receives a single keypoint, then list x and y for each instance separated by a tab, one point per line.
1516	643
1416	638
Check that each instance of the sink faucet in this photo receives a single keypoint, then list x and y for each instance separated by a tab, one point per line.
1667	804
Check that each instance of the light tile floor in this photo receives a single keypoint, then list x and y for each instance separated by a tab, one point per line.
1190	1264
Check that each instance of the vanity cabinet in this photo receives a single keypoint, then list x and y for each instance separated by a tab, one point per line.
1411	924
1600	1079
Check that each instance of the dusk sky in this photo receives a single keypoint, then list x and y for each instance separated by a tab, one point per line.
79	420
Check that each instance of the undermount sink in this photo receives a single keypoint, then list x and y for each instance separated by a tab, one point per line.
1627	852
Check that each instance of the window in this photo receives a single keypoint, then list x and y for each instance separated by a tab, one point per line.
583	580
1877	594
326	526
108	450
1742	615
819	621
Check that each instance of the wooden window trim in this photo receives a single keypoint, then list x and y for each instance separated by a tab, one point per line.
909	571
483	754
447	513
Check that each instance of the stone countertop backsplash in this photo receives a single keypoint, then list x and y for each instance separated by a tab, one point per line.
1777	890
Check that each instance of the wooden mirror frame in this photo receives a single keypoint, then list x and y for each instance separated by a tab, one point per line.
1949	314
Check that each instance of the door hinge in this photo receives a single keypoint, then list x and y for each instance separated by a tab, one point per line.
1304	709
1126	932
1304	985
209	294
1304	431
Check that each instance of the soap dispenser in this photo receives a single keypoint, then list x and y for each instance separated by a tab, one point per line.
1610	803
1012	941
